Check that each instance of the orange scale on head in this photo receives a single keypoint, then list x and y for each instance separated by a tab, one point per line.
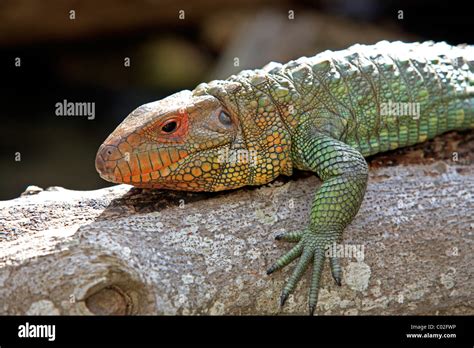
133	163
196	171
137	178
118	175
188	177
165	171
165	158
145	164
173	166
124	169
174	155
182	185
206	166
155	160
134	140
125	148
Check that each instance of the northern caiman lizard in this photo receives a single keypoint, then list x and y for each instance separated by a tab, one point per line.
322	114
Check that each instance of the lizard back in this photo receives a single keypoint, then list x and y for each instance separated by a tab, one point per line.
385	96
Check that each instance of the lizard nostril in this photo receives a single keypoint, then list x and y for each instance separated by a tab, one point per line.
110	153
106	161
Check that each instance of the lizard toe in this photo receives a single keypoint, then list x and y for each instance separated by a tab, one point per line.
289	236
287	258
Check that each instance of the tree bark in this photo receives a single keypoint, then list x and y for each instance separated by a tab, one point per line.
121	250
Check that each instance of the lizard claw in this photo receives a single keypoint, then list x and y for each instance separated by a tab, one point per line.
283	298
336	270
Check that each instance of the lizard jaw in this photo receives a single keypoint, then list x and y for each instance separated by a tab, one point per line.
114	167
110	165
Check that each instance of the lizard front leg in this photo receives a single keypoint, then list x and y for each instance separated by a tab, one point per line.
344	173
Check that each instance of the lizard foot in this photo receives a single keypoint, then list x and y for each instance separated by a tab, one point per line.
310	247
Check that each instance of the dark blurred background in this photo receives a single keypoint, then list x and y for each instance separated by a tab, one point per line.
172	45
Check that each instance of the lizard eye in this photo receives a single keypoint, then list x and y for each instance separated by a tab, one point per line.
225	119
169	127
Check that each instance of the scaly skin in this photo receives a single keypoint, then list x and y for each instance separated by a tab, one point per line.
323	114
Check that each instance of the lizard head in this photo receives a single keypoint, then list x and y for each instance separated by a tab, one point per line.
192	141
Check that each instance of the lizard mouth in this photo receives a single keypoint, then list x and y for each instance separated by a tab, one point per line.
136	169
165	168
